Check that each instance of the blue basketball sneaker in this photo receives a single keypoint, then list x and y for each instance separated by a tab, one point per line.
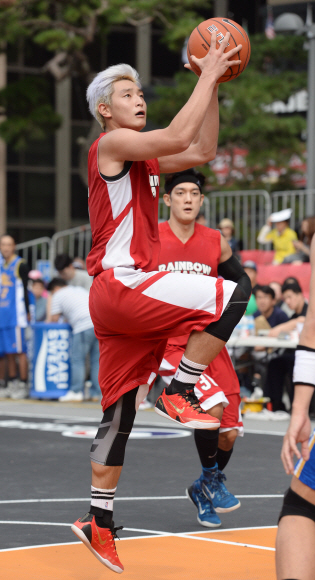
212	484
206	513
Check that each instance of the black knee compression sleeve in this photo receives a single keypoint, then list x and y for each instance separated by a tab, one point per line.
109	445
295	505
207	445
232	314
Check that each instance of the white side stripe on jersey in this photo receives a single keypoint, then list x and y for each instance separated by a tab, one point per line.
120	194
118	247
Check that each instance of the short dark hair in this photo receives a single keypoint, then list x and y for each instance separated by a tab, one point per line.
290	280
266	290
56	283
294	286
62	261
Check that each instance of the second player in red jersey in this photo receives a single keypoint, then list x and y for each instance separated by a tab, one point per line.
194	250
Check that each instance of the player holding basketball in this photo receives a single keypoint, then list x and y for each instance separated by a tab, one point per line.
195	249
295	555
135	308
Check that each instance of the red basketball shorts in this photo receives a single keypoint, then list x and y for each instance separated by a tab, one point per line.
134	313
217	384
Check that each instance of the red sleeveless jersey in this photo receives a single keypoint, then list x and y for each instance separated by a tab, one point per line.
124	216
199	255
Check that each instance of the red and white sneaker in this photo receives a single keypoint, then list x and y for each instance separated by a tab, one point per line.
100	541
184	408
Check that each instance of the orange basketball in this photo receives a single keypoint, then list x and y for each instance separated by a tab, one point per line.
200	39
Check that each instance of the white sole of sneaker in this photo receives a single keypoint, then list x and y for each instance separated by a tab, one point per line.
226	510
205	524
81	535
191	424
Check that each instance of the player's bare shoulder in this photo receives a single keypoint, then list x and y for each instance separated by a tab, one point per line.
110	160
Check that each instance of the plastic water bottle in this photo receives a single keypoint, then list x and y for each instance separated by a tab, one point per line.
243	327
250	325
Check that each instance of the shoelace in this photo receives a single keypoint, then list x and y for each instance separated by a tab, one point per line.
191	398
218	480
114	531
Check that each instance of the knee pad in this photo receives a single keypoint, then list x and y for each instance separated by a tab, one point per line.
295	505
109	445
232	314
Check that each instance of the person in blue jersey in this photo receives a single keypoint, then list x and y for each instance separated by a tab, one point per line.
14	317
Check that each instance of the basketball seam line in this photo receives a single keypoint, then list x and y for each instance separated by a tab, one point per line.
203	37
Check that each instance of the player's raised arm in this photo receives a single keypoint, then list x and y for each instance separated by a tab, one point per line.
204	146
125	116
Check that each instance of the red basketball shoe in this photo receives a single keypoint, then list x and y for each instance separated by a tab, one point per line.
100	541
184	408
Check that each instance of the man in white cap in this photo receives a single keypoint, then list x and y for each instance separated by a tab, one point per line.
282	236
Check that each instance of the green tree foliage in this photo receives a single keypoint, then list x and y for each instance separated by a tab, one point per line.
68	26
65	28
30	116
277	69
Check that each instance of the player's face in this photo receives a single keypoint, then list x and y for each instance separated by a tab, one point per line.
128	108
185	202
264	302
7	247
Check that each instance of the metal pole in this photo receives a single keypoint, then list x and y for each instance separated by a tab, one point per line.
310	206
63	156
220	8
143	53
3	167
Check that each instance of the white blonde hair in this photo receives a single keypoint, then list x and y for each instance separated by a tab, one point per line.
102	87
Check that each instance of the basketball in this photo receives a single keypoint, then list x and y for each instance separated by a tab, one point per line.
200	39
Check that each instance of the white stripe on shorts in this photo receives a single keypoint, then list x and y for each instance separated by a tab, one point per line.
193	292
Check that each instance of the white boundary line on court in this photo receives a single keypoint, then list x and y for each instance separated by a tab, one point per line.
216	531
227	542
137	422
156	534
24	523
166	497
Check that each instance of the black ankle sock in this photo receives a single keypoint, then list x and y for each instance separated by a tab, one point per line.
103	518
187	375
177	387
223	457
207	445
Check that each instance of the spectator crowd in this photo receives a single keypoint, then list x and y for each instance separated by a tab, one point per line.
24	300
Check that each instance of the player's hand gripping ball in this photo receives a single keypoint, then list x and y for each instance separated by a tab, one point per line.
200	40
